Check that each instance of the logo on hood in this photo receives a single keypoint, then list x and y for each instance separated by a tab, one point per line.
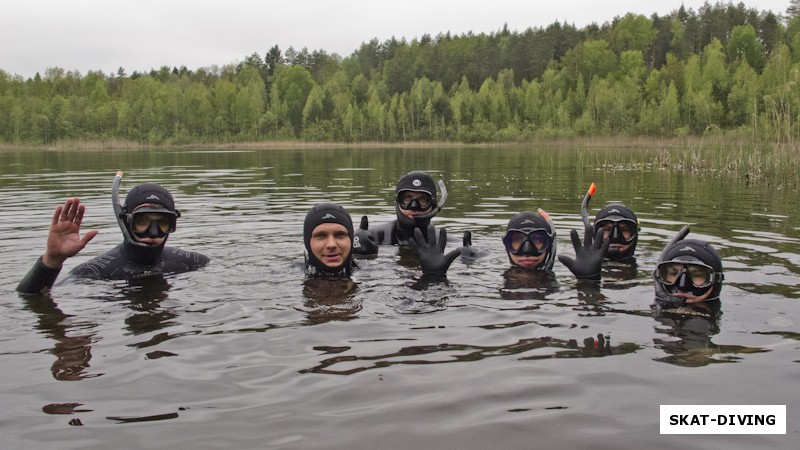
328	216
153	197
417	183
687	249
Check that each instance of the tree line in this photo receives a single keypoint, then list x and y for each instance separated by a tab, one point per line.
724	69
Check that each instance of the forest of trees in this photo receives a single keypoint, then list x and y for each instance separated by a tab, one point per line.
725	69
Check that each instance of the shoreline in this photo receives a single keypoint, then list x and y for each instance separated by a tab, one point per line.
589	142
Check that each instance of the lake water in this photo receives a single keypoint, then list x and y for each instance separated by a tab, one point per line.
245	354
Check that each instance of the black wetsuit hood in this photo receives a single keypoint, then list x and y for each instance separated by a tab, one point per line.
618	211
689	250
143	194
416	181
528	220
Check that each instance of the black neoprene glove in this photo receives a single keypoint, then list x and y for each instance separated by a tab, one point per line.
431	252
365	242
588	256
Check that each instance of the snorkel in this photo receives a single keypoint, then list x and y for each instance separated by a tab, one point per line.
120	214
587	224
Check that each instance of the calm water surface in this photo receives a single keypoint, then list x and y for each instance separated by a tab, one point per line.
246	354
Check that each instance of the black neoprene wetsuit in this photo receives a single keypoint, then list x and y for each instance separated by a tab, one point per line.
118	263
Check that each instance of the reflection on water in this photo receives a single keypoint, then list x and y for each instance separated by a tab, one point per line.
249	340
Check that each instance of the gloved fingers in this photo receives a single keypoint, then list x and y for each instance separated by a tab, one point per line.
598	239
567	261
604	245
467	238
364	223
576	241
418	239
450	257
442	243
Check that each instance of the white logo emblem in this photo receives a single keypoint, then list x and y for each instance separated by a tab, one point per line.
328	216
526	221
417	183
687	248
153	197
356	242
615	211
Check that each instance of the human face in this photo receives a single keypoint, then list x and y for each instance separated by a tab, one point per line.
414	203
330	244
152	227
620	232
690	288
527	262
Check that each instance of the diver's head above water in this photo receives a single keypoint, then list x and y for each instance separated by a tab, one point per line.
620	226
415	200
688	271
530	240
149	214
328	238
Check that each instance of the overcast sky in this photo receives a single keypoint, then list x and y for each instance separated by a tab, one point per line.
141	35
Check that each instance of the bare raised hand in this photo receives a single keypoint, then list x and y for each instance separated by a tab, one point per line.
64	239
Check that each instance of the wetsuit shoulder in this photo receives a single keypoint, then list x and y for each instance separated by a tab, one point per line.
177	260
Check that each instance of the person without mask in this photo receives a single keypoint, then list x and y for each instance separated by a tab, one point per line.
146	220
328	239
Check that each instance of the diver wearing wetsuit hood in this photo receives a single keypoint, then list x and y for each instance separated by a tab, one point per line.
416	203
621	227
530	241
146	220
689	271
328	238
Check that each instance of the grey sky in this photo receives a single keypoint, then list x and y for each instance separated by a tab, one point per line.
141	35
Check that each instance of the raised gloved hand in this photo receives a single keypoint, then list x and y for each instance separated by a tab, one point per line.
431	252
364	241
588	256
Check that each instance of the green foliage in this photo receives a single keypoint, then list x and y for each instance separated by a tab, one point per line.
724	67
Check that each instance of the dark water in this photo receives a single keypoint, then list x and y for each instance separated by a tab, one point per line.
244	354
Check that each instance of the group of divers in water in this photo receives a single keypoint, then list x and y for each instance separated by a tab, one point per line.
688	273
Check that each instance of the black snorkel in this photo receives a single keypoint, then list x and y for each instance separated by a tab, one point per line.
428	216
120	214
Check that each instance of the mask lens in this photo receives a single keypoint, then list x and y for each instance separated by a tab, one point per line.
625	230
406	200
699	275
515	239
669	272
147	223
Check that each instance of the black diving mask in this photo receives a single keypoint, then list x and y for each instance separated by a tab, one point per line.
153	223
619	231
414	200
695	278
527	242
